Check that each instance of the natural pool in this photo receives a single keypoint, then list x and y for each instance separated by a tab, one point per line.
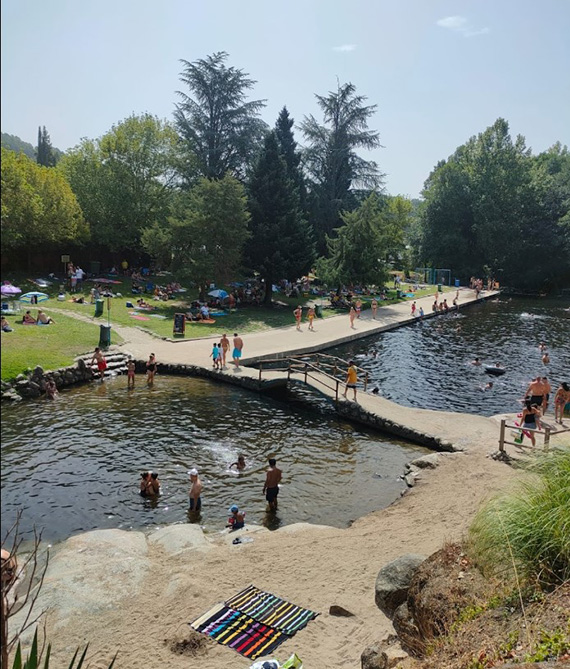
74	464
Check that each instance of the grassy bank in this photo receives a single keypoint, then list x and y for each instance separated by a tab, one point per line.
50	346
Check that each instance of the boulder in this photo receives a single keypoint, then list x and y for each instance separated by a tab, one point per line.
339	611
177	538
371	658
430	461
407	631
384	655
393	581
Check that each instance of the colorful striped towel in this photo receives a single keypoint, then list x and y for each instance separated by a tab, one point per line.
271	610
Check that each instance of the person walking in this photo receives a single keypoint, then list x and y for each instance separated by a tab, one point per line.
298	313
358	307
374	305
311	317
225	344
215	355
351	379
560	399
352	316
99	358
530	420
238	348
413	308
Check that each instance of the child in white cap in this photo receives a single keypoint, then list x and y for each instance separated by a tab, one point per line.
195	490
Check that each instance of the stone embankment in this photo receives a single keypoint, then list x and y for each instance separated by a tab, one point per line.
33	384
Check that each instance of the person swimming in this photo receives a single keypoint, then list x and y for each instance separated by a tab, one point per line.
240	464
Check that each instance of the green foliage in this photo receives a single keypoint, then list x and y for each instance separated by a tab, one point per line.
34	662
281	244
203	241
550	646
14	143
124	180
331	160
493	206
362	248
219	128
532	522
38	205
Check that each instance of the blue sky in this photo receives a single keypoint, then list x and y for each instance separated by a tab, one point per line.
439	70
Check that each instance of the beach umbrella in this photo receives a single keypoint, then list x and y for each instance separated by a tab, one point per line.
9	289
236	284
41	297
219	293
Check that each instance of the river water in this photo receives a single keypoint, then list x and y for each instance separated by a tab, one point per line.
74	464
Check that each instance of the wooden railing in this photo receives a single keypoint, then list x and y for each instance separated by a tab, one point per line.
546	433
328	366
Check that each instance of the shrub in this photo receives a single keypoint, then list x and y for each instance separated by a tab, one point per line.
528	528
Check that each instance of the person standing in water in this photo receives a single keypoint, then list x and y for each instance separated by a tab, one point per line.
273	478
130	374
150	369
101	362
195	492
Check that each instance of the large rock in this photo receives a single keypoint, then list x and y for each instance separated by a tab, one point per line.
177	538
393	581
383	655
430	461
92	573
407	631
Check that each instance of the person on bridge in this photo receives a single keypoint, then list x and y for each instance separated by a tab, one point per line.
351	379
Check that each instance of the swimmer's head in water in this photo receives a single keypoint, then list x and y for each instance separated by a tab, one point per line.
272	462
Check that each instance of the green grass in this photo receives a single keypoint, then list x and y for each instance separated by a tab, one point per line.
50	346
529	527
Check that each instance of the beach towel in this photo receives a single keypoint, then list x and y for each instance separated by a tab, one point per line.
271	610
132	314
238	631
253	622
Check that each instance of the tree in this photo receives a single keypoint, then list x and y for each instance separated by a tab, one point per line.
45	154
331	159
14	143
124	180
218	126
488	210
204	239
291	156
358	254
38	205
280	246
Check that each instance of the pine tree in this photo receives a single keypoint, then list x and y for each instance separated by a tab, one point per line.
45	154
280	246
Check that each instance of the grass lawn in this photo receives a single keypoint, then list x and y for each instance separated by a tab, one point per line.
50	346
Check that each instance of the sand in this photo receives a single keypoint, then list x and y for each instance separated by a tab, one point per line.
311	566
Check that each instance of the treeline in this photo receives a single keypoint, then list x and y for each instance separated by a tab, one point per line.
216	191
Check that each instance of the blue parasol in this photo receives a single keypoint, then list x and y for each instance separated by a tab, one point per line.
40	297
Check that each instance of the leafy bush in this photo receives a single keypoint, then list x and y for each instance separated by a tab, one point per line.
528	529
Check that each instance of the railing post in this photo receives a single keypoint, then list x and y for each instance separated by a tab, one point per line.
336	395
289	371
365	381
334	370
260	369
546	438
306	372
502	436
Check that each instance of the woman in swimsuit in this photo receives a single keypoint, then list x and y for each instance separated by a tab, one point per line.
530	420
560	399
151	369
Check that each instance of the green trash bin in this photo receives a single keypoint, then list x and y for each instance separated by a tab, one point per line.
318	311
398	294
439	288
99	304
105	336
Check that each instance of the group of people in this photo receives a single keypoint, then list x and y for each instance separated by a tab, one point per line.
150	487
220	350
75	277
42	318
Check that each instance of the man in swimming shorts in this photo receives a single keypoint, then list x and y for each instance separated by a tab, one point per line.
535	392
271	487
101	362
547	390
195	491
238	347
351	378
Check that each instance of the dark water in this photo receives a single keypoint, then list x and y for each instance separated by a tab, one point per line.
74	464
428	364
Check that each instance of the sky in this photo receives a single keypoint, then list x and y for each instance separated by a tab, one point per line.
439	71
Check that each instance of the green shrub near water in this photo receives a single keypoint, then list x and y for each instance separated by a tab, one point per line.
528	527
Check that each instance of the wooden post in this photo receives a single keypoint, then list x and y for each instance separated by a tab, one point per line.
289	371
260	369
502	436
546	438
365	381
306	371
336	397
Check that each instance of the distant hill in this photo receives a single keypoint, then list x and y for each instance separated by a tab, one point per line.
14	143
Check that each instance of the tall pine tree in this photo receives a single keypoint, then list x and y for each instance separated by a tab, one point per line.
45	154
280	245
